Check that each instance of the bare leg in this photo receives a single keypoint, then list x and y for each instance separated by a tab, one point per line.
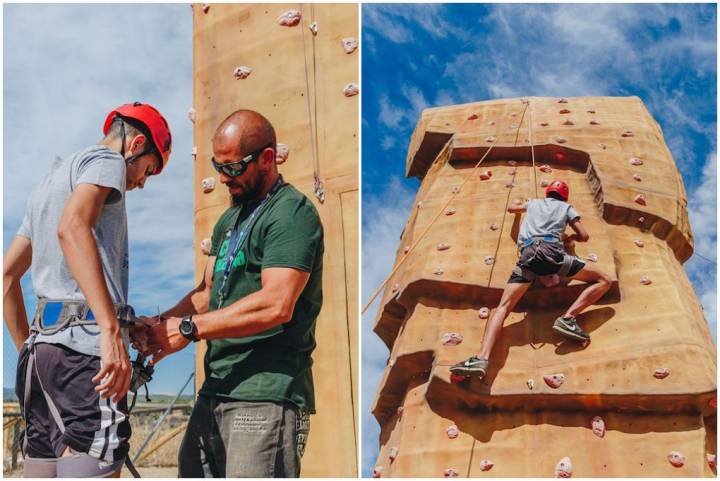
511	295
599	285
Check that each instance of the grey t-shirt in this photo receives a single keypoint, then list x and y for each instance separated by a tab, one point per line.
51	277
545	217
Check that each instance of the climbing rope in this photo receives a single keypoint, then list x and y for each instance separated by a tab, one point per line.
318	184
532	144
440	212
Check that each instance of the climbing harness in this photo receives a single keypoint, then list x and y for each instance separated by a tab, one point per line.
238	237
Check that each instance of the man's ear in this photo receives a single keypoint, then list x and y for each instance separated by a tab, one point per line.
137	143
268	157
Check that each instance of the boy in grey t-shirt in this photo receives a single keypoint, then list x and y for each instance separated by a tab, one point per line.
73	360
542	256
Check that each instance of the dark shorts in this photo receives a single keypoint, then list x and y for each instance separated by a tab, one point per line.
97	427
543	259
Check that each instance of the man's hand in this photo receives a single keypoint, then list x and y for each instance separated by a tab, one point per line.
140	334
114	376
165	337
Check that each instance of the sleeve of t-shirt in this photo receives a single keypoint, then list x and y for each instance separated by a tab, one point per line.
105	168
25	229
572	214
293	236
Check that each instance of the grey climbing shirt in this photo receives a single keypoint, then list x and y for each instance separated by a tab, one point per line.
51	277
546	217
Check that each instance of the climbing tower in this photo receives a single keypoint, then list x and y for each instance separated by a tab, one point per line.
298	66
640	399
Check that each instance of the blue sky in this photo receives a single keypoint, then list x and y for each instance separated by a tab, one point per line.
417	56
65	67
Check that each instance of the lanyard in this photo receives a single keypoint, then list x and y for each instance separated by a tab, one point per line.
237	238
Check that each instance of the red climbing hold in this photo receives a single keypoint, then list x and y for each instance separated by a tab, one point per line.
451	473
443	246
563	469
598	426
486	465
485	175
565	111
494	226
457	378
545	168
377	472
637	177
559	156
205	7
568	122
628	133
711	460
472	117
406	249
544	124
661	372
590	111
635	161
289	18
450	211
351	90
392	453
640	199
207	185
594	122
646	281
509	185
676	458
451	339
452	431
713	403
554	380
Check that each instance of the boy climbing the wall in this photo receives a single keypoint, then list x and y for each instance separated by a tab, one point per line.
541	243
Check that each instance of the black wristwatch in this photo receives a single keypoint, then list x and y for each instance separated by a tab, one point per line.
188	329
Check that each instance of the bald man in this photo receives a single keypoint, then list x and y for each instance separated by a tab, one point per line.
256	307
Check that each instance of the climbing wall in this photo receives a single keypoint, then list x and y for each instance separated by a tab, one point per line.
298	66
640	399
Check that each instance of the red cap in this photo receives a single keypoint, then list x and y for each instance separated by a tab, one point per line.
560	187
153	120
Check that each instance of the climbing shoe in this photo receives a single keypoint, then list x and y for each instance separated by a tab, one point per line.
474	366
568	327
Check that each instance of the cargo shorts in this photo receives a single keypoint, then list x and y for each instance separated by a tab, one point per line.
543	258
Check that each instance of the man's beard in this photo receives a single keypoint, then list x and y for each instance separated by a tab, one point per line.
251	194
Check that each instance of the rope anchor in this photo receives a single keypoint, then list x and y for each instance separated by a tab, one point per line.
319	189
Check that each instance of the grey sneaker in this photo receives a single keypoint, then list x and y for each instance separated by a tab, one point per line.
568	327
474	366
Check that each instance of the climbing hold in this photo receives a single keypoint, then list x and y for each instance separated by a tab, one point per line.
205	7
594	122
494	226
590	111
395	287
207	185
452	431
645	280
544	124
450	211
400	410
592	257
242	72
484	313
391	362
314	28
713	403
289	18
377	472
457	378
485	175
489	260
406	249
554	380
637	177
560	140
438	271
544	183
451	339
565	111
639	243
351	90
282	152
486	465
450	473
194	151
512	163
563	469
545	168
559	156
350	44
420	204
711	460
562	101
635	161
205	246
456	189
568	122
661	372
641	220
513	126
490	139
392	453
627	133
443	246
509	185
603	146
513	114
640	199
512	172
530	384
492	122
472	116
191	114
676	458
598	426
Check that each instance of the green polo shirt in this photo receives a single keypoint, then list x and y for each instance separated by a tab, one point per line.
274	365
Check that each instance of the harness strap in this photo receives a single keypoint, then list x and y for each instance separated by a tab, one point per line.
566	265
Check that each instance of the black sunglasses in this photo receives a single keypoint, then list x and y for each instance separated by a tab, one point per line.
235	169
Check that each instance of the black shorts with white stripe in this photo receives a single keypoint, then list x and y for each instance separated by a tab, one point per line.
95	426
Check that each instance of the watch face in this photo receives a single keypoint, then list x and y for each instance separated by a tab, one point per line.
185	327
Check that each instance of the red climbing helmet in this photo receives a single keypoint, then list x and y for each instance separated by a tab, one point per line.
153	120
560	187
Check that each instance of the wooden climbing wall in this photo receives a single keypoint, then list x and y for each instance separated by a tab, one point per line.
297	82
609	150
